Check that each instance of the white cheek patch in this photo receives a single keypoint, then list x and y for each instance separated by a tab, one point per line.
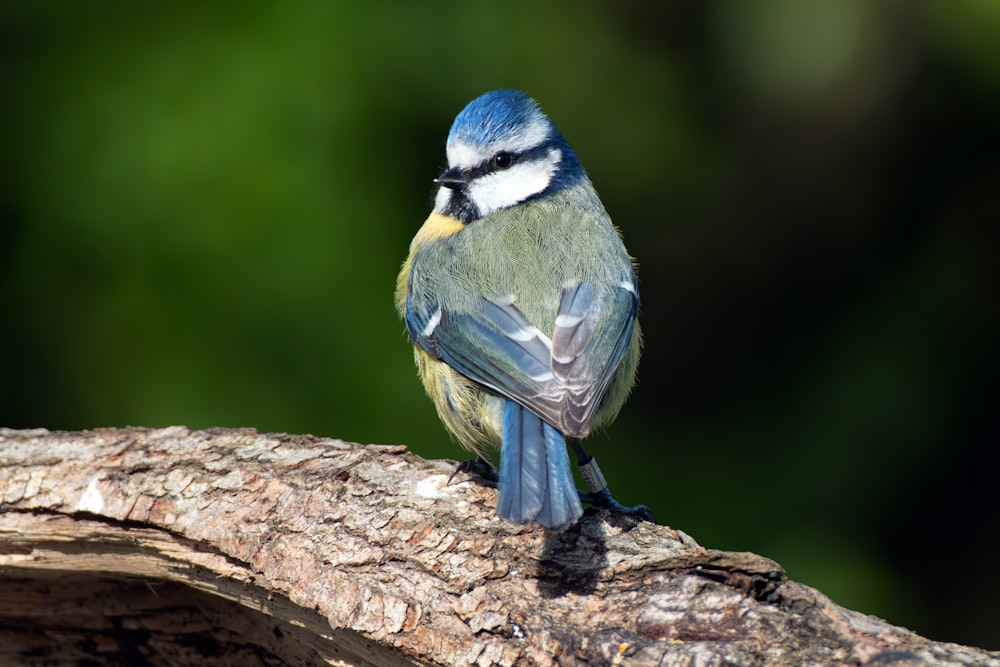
503	189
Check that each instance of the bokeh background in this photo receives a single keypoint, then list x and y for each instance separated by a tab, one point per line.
204	207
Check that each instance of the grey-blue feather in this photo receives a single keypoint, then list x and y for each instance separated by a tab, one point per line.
524	298
503	285
536	482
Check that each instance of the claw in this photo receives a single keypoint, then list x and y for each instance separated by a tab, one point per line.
599	495
477	466
603	498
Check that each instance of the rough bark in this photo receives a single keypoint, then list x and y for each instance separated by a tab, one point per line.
231	547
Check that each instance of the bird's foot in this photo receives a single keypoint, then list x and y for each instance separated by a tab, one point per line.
599	496
604	499
477	466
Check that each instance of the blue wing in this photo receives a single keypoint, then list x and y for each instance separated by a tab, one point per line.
562	378
593	329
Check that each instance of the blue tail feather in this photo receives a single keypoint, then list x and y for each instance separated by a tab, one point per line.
536	481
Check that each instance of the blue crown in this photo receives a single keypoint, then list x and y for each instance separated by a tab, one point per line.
495	115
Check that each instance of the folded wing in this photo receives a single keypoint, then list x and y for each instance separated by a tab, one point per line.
561	379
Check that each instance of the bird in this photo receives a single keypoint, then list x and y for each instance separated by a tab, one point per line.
521	302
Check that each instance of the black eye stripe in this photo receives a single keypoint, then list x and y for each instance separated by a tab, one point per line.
490	165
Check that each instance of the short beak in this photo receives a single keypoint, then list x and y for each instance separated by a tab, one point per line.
453	178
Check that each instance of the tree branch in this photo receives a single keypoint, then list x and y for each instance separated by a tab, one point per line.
136	546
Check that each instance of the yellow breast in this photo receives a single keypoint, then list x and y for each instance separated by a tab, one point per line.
437	226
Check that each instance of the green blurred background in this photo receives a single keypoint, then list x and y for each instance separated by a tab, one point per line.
204	207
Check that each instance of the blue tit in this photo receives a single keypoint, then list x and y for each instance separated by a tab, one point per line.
521	302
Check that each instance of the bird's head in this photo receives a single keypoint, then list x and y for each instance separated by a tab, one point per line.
502	150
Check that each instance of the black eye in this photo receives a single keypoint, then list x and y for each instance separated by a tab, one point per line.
503	160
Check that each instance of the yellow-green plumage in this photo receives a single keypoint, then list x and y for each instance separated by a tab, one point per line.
531	252
521	302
